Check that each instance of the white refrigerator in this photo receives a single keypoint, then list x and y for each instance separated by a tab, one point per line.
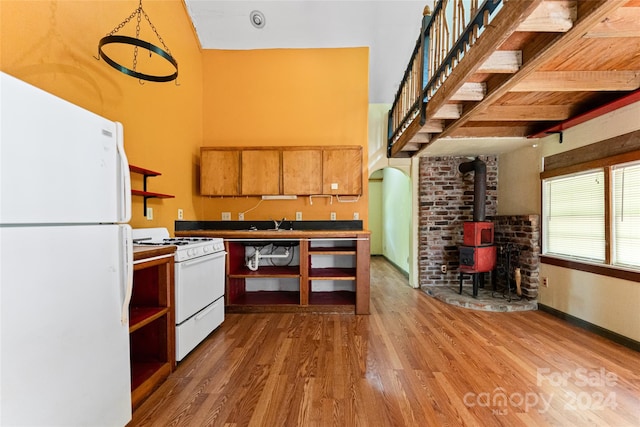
65	263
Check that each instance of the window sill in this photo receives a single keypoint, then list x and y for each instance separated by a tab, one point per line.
604	270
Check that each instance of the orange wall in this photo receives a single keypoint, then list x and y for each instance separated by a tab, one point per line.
285	97
51	44
270	97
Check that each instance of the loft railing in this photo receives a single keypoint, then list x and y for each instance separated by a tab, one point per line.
445	37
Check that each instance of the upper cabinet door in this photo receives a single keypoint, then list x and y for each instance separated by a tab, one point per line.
302	171
260	172
219	172
342	170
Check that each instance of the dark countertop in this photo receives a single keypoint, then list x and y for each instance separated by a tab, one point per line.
355	225
274	235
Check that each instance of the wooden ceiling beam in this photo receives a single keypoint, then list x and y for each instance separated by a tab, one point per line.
411	146
405	137
491	132
576	81
551	17
621	23
470	92
433	126
502	62
448	111
503	113
503	25
598	11
421	138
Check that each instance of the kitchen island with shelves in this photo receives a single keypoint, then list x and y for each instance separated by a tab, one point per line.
327	270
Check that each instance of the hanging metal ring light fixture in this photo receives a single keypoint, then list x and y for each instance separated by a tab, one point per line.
136	43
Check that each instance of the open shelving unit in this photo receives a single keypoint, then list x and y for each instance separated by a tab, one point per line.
146	173
151	321
315	266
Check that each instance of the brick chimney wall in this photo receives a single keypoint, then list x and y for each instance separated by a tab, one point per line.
524	232
445	203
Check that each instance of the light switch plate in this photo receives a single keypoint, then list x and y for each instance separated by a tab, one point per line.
356	216
149	214
334	185
241	216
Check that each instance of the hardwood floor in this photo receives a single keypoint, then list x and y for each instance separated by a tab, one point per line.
414	361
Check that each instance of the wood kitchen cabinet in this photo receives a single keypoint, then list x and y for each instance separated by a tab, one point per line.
219	172
302	171
255	171
342	170
151	320
260	172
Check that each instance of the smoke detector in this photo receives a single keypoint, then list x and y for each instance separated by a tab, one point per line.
257	19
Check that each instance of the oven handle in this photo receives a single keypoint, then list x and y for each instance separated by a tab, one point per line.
205	258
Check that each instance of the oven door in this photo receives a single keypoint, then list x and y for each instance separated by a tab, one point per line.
199	282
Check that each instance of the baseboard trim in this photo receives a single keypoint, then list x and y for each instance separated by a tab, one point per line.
598	330
396	266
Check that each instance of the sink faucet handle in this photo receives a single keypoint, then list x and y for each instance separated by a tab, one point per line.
277	224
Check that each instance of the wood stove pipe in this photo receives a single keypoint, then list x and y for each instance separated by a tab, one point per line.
479	186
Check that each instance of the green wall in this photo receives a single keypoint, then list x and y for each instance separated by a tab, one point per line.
396	217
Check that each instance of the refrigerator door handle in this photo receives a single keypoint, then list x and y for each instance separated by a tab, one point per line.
128	273
125	210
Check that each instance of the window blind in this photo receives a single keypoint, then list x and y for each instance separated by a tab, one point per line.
574	215
626	213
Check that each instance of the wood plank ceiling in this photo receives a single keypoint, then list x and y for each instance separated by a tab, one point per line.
538	64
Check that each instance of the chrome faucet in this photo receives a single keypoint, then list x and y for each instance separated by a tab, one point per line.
277	224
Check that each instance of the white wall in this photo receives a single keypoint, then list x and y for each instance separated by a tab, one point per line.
610	303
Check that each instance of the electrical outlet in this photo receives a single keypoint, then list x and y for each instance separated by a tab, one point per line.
149	214
241	216
180	214
443	268
334	185
298	216
333	216
356	216
226	216
545	282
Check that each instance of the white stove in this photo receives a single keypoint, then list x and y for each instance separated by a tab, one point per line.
199	284
188	247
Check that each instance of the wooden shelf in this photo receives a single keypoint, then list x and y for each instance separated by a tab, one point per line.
142	316
267	271
332	251
146	173
267	298
332	273
143	171
145	376
149	194
332	298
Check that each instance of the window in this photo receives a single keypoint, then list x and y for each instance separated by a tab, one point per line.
626	214
576	220
574	216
